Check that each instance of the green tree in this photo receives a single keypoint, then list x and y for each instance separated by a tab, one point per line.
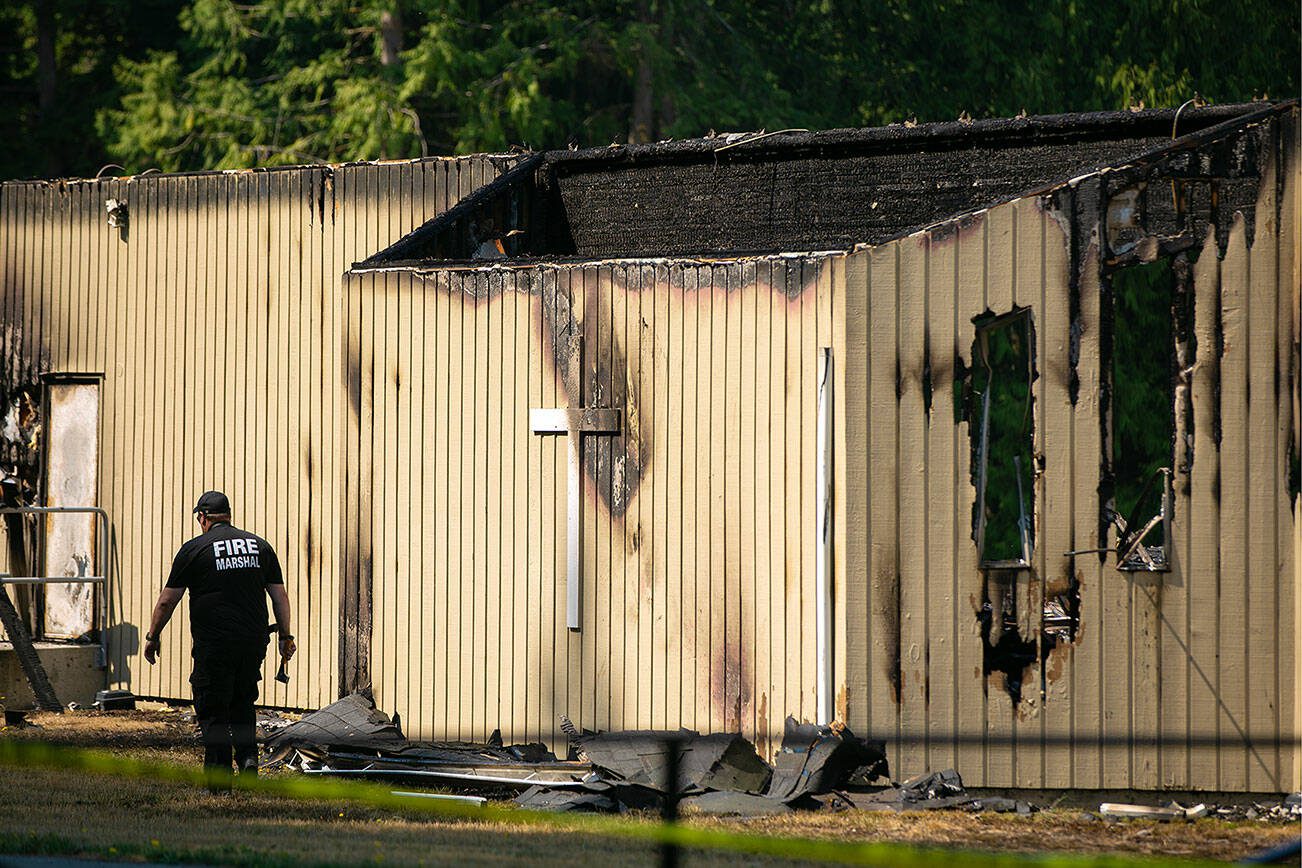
215	83
288	81
57	62
271	83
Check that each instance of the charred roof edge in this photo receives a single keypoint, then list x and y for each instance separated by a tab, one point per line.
151	174
946	134
1183	143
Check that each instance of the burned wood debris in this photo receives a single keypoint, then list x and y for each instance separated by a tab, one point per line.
1288	810
352	737
817	767
825	768
817	759
943	789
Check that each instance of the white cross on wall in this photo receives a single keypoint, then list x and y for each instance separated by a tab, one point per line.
574	421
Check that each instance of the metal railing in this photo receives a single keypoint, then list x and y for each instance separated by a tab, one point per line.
102	566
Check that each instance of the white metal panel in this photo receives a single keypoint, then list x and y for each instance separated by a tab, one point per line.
72	472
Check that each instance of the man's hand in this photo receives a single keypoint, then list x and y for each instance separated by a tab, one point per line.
280	607
167	601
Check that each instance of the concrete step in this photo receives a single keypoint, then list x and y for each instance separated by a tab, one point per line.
71	669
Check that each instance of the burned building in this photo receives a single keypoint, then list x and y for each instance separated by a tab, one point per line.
981	437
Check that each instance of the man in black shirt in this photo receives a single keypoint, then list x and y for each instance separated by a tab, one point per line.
229	573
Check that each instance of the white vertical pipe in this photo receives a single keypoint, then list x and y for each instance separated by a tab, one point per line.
823	548
574	539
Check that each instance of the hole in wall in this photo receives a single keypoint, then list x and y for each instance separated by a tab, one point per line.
1151	308
1002	431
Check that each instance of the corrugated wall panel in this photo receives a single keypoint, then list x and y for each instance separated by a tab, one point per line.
1021	232
409	458
880	679
1289	441
941	659
469	597
1265	474
1054	489
971	255
213	317
1235	578
1182	679
914	521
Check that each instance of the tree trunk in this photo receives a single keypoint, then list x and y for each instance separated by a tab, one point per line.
46	83
390	37
642	126
668	108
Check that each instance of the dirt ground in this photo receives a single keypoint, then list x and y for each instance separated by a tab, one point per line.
114	818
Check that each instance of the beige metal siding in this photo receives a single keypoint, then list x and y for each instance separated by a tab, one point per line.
699	517
699	559
377	431
1180	680
215	319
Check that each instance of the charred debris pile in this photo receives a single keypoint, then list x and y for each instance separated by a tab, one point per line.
818	767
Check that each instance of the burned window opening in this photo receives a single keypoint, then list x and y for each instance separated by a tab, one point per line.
1005	649
1059	624
1136	533
1150	312
1186	354
1001	427
21	435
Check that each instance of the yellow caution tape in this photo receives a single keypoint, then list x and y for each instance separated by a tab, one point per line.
300	787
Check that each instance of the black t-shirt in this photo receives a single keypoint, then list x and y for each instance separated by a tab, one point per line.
227	571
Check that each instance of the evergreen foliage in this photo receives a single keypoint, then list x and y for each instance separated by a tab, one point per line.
214	83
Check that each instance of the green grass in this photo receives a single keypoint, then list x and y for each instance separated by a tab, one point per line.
134	805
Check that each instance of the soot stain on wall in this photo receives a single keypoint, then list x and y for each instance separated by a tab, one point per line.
577	318
593	366
1004	649
23	361
886	600
730	679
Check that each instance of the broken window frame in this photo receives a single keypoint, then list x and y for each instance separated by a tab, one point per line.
986	325
1132	554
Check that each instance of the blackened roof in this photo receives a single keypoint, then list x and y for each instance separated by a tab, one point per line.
785	191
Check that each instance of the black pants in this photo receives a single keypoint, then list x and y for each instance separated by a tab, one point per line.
225	681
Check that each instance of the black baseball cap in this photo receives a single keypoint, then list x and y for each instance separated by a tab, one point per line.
213	503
